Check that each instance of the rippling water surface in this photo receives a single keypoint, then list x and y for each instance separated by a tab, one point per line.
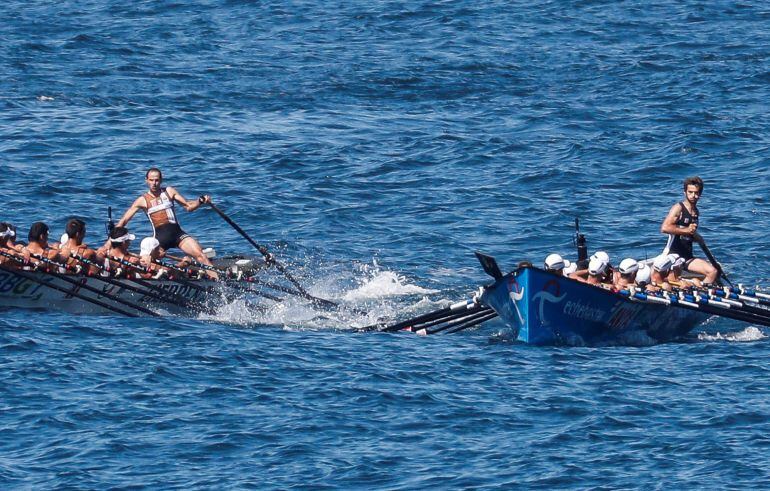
374	146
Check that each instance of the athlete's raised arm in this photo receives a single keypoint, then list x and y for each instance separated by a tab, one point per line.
174	195
136	206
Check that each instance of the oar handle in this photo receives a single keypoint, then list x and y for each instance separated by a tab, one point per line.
702	243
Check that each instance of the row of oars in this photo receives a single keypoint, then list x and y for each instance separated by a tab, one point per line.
739	303
152	292
454	318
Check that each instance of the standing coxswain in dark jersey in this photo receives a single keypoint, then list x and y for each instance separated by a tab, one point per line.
159	205
680	224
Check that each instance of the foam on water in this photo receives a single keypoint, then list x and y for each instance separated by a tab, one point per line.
386	284
746	335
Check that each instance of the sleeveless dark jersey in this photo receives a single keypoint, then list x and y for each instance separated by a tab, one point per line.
682	244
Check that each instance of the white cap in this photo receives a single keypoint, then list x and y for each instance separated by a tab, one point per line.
569	268
597	266
628	266
603	256
662	263
64	238
554	262
148	245
643	274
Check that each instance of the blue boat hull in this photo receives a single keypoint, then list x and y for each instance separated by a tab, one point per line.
545	308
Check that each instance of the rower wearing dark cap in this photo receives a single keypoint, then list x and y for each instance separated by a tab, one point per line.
681	225
159	205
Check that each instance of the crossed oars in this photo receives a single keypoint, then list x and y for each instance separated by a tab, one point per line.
31	277
153	292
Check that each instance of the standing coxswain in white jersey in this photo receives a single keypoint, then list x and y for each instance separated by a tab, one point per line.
681	224
159	205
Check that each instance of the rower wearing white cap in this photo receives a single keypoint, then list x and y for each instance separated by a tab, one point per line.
626	273
556	264
120	240
661	267
681	225
598	258
6	245
553	263
149	253
643	275
597	271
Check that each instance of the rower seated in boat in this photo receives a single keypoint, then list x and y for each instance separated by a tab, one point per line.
662	271
556	264
602	270
120	240
598	269
38	246
625	276
7	234
642	278
72	245
148	257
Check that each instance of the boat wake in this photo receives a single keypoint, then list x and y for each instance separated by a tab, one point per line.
749	334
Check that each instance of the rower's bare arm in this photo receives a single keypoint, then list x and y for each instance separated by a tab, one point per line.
129	214
189	206
669	223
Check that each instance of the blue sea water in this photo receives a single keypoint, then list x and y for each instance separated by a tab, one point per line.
374	146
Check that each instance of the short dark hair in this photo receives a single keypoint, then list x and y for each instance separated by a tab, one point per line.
694	181
118	232
36	231
75	227
153	169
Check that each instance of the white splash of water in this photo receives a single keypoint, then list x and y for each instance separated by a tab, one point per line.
385	284
747	335
372	296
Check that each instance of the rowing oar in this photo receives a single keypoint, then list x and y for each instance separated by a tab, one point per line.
273	286
458	309
31	277
702	243
148	290
471	323
480	316
271	259
229	284
90	288
691	302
